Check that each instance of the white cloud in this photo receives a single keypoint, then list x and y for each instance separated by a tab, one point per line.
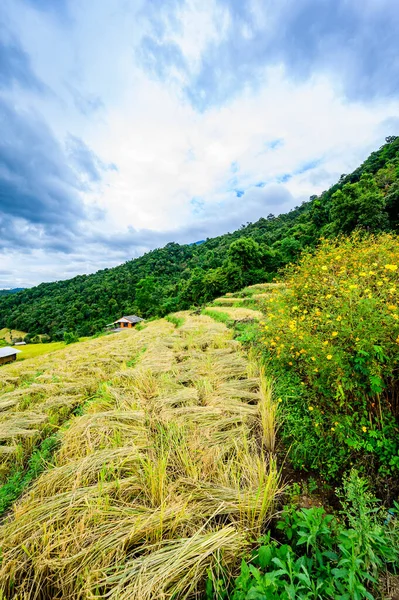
167	153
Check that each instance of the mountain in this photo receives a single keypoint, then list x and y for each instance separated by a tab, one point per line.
7	291
178	276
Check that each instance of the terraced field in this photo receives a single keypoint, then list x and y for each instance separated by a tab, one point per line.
162	470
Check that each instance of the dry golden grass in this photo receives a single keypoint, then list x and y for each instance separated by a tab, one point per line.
167	472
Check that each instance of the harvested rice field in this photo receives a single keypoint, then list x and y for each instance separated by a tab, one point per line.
163	472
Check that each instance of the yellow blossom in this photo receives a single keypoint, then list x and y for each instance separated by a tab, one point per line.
339	318
391	267
364	429
332	428
324	268
334	333
329	356
280	400
310	408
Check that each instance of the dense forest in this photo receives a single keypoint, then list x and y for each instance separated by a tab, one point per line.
179	276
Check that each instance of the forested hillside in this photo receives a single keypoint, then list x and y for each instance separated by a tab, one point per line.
178	276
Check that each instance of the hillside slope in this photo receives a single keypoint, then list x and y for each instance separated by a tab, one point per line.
160	466
178	276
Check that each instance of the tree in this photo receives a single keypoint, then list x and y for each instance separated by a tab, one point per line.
245	253
359	204
147	296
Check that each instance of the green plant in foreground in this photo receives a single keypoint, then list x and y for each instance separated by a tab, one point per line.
322	556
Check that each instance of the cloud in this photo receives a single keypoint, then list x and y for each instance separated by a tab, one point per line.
89	166
87	104
36	182
357	43
215	113
15	67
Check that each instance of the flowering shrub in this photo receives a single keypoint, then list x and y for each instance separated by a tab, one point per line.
336	328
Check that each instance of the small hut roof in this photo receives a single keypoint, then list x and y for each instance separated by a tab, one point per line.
8	351
129	319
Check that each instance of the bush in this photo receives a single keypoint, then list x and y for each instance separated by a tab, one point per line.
335	333
321	556
70	337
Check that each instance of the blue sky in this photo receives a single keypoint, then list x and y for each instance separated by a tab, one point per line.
126	124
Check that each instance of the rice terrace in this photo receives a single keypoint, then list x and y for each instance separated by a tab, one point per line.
160	464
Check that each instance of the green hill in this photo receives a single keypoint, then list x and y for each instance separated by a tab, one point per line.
178	276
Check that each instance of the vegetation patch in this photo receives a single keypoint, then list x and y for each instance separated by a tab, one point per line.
332	341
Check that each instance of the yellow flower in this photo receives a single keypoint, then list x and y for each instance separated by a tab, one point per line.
334	333
364	429
357	339
325	343
313	358
391	267
329	356
310	408
363	274
336	423
380	283
332	428
317	370
290	363
324	268
339	318
328	296
280	400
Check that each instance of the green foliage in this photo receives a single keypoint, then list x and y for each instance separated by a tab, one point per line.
177	276
177	321
21	478
322	557
219	316
332	343
70	337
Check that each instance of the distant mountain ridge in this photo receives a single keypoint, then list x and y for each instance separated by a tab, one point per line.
6	291
179	276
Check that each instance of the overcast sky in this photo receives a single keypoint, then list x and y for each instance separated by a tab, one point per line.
126	124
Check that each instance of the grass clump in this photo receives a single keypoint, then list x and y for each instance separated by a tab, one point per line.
332	341
21	478
175	320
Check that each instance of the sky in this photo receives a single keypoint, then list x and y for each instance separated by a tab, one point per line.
127	124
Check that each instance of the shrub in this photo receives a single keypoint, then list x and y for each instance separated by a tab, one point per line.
335	331
70	337
321	556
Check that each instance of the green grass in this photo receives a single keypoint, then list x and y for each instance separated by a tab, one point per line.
19	479
33	350
176	321
219	316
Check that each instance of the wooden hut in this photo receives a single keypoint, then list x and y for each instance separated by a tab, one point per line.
127	322
8	354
